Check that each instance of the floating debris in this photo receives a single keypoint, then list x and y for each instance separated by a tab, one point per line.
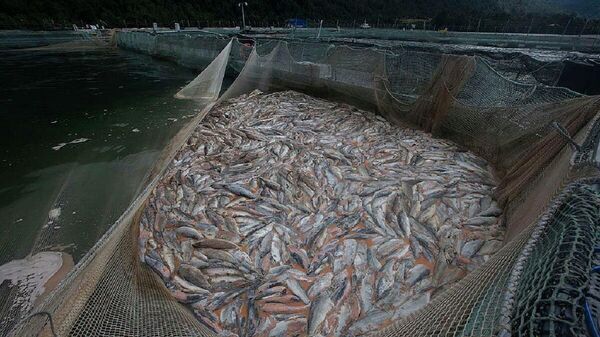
54	214
79	140
75	141
287	215
59	146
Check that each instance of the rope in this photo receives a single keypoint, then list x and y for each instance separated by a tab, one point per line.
565	134
49	318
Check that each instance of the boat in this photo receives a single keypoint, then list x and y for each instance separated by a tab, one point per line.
365	25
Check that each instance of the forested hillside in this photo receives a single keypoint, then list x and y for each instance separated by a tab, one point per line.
583	8
485	15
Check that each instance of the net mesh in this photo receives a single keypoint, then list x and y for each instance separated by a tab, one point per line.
194	51
549	202
556	273
207	86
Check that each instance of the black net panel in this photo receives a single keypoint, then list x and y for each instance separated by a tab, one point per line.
551	293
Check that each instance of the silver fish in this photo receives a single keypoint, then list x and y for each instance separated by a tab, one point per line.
288	215
318	312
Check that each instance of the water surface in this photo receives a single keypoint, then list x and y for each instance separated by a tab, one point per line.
113	109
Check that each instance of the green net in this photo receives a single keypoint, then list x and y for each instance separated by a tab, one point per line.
556	269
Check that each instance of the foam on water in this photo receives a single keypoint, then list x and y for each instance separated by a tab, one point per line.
30	275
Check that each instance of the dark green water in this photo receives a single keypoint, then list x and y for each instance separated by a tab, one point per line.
120	101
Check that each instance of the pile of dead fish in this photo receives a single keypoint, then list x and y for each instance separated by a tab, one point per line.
286	215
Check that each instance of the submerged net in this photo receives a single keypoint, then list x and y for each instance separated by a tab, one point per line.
549	190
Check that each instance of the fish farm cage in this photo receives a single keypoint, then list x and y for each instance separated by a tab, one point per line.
542	141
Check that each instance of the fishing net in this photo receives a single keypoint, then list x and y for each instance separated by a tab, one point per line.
207	86
510	126
194	51
537	284
562	258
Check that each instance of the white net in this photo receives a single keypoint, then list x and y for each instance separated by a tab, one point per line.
207	86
